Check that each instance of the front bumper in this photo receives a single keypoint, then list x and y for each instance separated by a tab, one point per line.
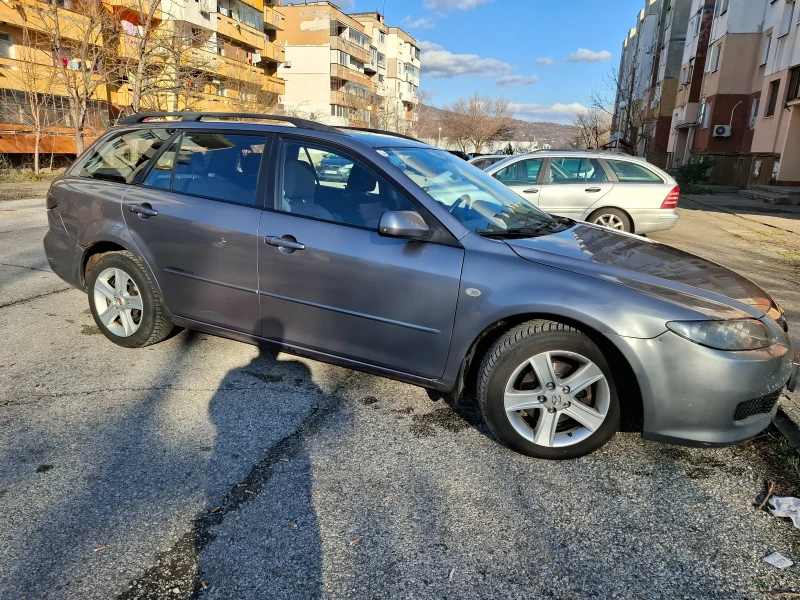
692	395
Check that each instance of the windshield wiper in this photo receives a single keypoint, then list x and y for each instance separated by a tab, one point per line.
528	231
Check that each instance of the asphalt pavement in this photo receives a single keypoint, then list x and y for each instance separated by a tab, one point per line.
206	468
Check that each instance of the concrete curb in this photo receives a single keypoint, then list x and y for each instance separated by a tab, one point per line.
789	429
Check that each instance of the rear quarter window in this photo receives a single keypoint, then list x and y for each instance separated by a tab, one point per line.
122	157
629	172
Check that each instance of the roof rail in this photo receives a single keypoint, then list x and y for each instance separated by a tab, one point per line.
199	116
392	133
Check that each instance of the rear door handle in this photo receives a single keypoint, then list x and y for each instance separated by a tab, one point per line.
593	190
144	209
531	191
281	242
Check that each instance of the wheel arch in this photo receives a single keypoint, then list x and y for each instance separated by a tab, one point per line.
97	248
628	389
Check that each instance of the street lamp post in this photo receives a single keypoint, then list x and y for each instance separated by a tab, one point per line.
369	110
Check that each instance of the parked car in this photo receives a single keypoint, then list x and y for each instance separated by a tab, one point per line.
333	167
557	327
459	154
484	161
610	189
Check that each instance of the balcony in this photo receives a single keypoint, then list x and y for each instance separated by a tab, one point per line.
357	52
273	19
273	84
239	31
236	69
409	97
133	5
72	25
342	72
273	52
350	100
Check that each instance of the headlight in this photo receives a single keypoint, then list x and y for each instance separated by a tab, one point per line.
744	334
776	314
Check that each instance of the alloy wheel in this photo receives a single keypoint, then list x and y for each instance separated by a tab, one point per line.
557	398
610	221
118	302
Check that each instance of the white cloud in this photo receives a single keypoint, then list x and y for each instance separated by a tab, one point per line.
421	23
584	55
450	4
555	113
546	61
438	62
516	80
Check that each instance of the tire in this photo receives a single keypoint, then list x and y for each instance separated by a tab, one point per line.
148	323
613	218
547	429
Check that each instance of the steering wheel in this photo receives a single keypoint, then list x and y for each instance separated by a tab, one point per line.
465	199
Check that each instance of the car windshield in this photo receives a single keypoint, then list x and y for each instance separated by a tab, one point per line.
481	203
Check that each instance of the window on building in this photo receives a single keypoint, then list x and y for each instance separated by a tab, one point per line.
697	22
722	7
754	112
765	50
381	37
714	58
793	89
122	157
787	19
6	45
707	115
772	97
219	166
321	183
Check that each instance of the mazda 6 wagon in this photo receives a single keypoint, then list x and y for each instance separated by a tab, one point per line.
409	263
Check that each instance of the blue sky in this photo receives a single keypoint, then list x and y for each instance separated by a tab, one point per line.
493	46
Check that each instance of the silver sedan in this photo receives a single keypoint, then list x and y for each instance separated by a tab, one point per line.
614	190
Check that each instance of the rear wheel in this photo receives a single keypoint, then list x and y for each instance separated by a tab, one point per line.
545	390
613	218
125	303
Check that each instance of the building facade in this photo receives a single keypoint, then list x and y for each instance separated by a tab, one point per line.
209	55
349	69
738	91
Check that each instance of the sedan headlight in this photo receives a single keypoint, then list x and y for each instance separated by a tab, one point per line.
740	334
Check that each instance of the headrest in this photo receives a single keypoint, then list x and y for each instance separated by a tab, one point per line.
298	180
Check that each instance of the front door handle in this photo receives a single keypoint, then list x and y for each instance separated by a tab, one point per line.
144	210
531	191
285	241
593	190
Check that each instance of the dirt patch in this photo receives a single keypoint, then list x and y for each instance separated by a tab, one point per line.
43	468
367	400
425	425
90	330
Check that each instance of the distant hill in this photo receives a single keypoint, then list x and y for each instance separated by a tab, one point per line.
555	134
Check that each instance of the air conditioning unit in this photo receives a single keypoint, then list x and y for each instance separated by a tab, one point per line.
722	131
287	64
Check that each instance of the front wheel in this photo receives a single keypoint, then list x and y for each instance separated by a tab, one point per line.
546	390
125	303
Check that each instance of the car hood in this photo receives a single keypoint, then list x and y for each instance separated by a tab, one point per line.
648	266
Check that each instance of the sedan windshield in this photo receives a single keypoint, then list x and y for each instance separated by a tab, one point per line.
483	204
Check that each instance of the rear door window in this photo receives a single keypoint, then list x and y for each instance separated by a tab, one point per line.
629	172
216	165
124	156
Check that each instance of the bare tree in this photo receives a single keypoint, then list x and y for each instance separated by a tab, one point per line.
592	129
141	51
472	121
83	40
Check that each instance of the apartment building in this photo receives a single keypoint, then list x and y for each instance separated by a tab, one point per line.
690	83
667	55
774	114
348	69
199	55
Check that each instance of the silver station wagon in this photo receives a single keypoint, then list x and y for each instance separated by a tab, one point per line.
613	190
380	253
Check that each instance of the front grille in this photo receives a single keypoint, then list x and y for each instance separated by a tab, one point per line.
756	406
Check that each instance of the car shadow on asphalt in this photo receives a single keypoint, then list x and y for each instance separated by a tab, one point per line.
261	533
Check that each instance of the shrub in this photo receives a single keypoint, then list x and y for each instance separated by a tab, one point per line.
692	174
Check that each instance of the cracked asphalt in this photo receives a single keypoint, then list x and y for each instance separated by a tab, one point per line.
205	468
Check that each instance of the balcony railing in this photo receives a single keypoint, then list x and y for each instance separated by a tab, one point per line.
72	25
351	100
339	43
134	5
343	72
273	19
273	52
273	84
239	31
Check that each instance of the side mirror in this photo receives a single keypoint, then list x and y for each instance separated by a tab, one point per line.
403	224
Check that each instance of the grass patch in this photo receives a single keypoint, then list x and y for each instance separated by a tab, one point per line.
793	258
29	176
